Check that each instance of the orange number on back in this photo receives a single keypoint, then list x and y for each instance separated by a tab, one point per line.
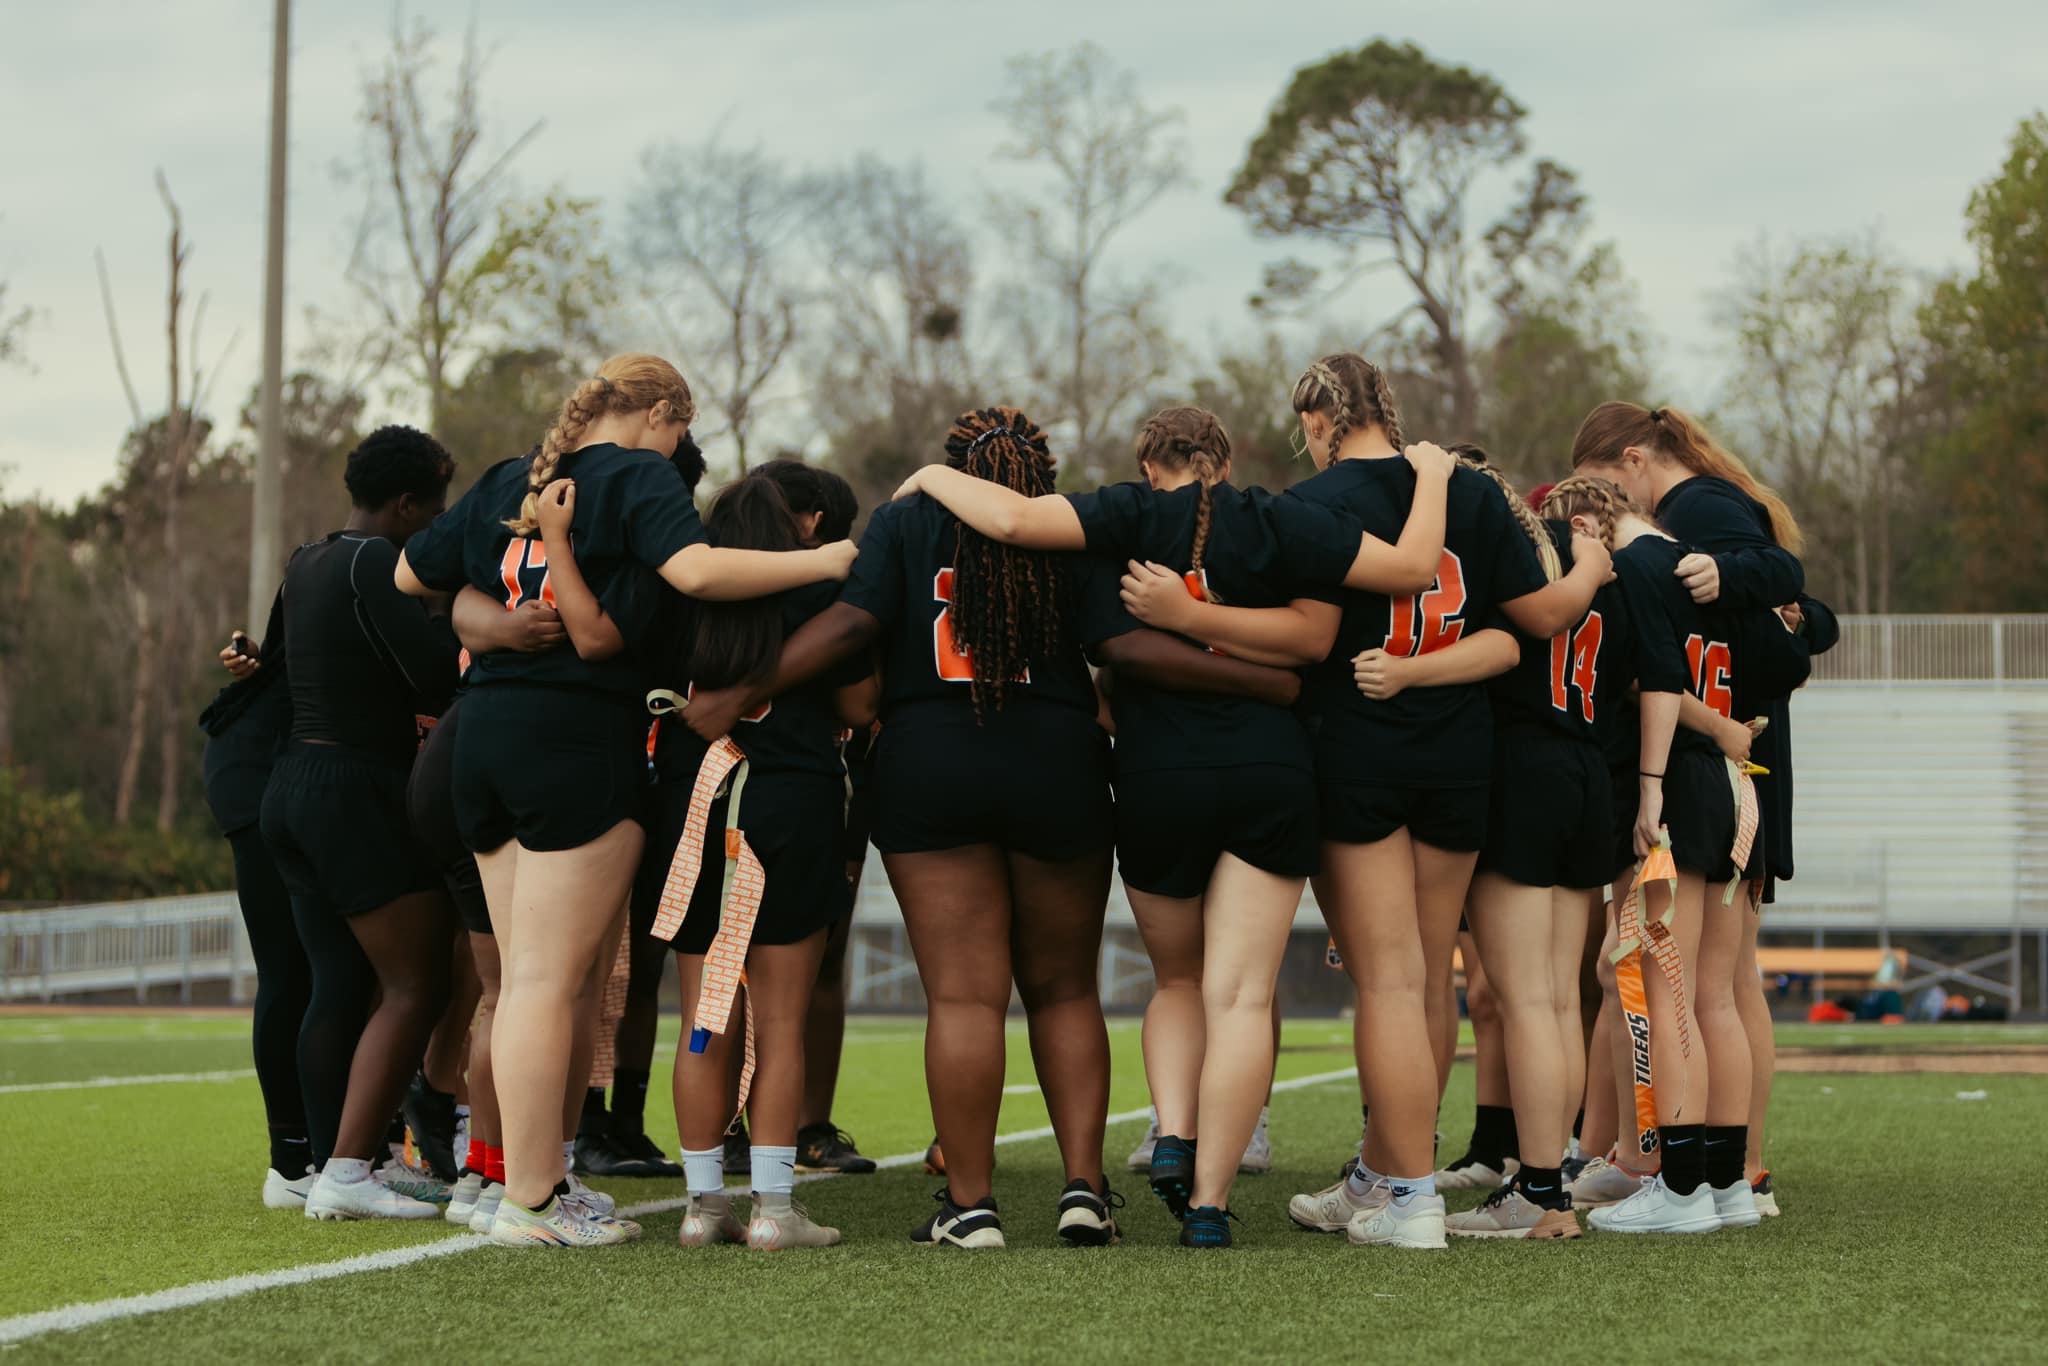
523	554
952	662
1437	610
1575	658
1711	666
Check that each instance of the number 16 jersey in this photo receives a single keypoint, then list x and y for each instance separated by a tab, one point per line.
1422	737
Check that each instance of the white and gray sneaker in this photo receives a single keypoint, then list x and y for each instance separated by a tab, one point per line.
1415	1222
462	1199
1603	1183
1258	1154
278	1193
708	1221
486	1206
559	1224
1141	1156
1656	1208
1331	1209
1470	1174
595	1201
1508	1213
414	1182
368	1198
1735	1205
780	1223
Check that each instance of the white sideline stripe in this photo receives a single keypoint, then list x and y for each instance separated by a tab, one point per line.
71	1318
96	1083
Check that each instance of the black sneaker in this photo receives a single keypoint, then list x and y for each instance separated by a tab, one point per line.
1088	1219
430	1115
935	1159
604	1153
977	1226
829	1148
1206	1227
1572	1167
638	1147
1173	1173
739	1156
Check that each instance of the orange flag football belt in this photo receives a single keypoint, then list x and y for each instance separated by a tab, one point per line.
1746	816
725	963
1637	935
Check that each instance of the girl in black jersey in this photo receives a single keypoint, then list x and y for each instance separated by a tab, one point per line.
1685	789
363	662
1215	795
550	765
1746	544
1402	781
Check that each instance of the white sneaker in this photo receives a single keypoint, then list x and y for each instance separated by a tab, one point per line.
1417	1222
462	1199
1141	1156
780	1223
1735	1206
413	1182
1508	1213
1258	1154
1332	1209
1766	1198
462	1143
279	1193
1603	1183
708	1221
1656	1208
595	1201
486	1206
560	1224
365	1199
1476	1176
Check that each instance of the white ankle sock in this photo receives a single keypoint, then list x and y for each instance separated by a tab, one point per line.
1362	1179
704	1170
346	1170
1406	1188
774	1169
568	1157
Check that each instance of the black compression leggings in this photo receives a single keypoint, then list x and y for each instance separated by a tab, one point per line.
344	985
284	985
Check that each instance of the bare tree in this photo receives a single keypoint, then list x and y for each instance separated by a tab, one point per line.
712	230
1109	157
13	328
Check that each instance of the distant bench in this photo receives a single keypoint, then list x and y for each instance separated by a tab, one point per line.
1820	973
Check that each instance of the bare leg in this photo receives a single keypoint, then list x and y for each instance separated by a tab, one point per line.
825	1025
1728	1061
1513	926
407	942
484	1126
1056	954
1175	1032
590	1024
448	1049
1567	952
1757	1027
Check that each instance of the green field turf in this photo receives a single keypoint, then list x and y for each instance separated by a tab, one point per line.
1912	1233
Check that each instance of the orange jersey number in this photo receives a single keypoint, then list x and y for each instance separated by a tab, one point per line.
1437	612
954	664
524	555
1711	668
1575	663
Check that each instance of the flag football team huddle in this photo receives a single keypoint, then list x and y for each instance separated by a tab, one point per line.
492	762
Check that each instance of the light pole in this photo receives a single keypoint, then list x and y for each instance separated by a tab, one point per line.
266	522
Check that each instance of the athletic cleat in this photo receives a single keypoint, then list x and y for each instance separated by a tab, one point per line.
591	1201
1766	1199
829	1148
1735	1205
430	1119
1141	1156
558	1224
1656	1208
1417	1222
1572	1167
486	1207
366	1199
1206	1227
708	1221
1088	1219
978	1226
935	1159
1258	1154
739	1155
1508	1213
279	1193
1332	1209
780	1224
638	1147
416	1183
593	1152
462	1199
1469	1173
1603	1183
1173	1173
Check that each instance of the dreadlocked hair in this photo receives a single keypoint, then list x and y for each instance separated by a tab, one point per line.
1589	496
739	642
630	383
1473	458
1006	601
1189	439
1613	427
1354	392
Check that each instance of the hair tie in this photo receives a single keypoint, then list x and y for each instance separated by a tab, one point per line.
1656	414
604	382
986	437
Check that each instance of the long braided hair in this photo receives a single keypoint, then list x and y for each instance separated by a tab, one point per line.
1189	439
1353	392
1588	495
628	383
1006	601
1473	458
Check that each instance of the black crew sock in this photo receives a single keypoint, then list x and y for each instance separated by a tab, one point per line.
1544	1186
561	1189
629	1100
1578	1123
1685	1157
1514	1135
593	1110
1727	1144
290	1154
396	1133
1493	1135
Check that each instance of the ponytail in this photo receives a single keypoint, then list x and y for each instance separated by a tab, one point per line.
628	383
1473	458
1672	434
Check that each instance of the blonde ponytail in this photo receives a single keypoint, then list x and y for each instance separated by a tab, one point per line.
630	383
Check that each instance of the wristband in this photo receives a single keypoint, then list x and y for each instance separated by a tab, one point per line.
1644	773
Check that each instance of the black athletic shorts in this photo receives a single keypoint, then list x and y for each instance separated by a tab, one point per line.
553	768
430	803
1626	797
1551	820
1172	824
1033	780
792	822
336	825
1448	818
1699	811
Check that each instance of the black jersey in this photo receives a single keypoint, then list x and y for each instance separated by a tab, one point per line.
1262	551
1424	737
1680	646
631	509
365	658
904	579
796	733
1556	685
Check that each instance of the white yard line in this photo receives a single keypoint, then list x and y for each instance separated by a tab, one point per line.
96	1083
71	1318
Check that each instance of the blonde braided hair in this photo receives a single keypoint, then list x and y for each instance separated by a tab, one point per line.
1588	495
1473	458
630	383
1354	392
1189	438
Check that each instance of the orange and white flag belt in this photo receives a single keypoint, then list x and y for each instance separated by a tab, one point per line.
1637	935
725	963
1747	814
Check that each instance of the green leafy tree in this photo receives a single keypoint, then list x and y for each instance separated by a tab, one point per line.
504	405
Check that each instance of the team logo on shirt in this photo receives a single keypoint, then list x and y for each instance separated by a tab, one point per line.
524	572
954	664
1575	663
1712	667
1428	621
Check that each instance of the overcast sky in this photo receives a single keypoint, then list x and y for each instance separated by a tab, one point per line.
1691	137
